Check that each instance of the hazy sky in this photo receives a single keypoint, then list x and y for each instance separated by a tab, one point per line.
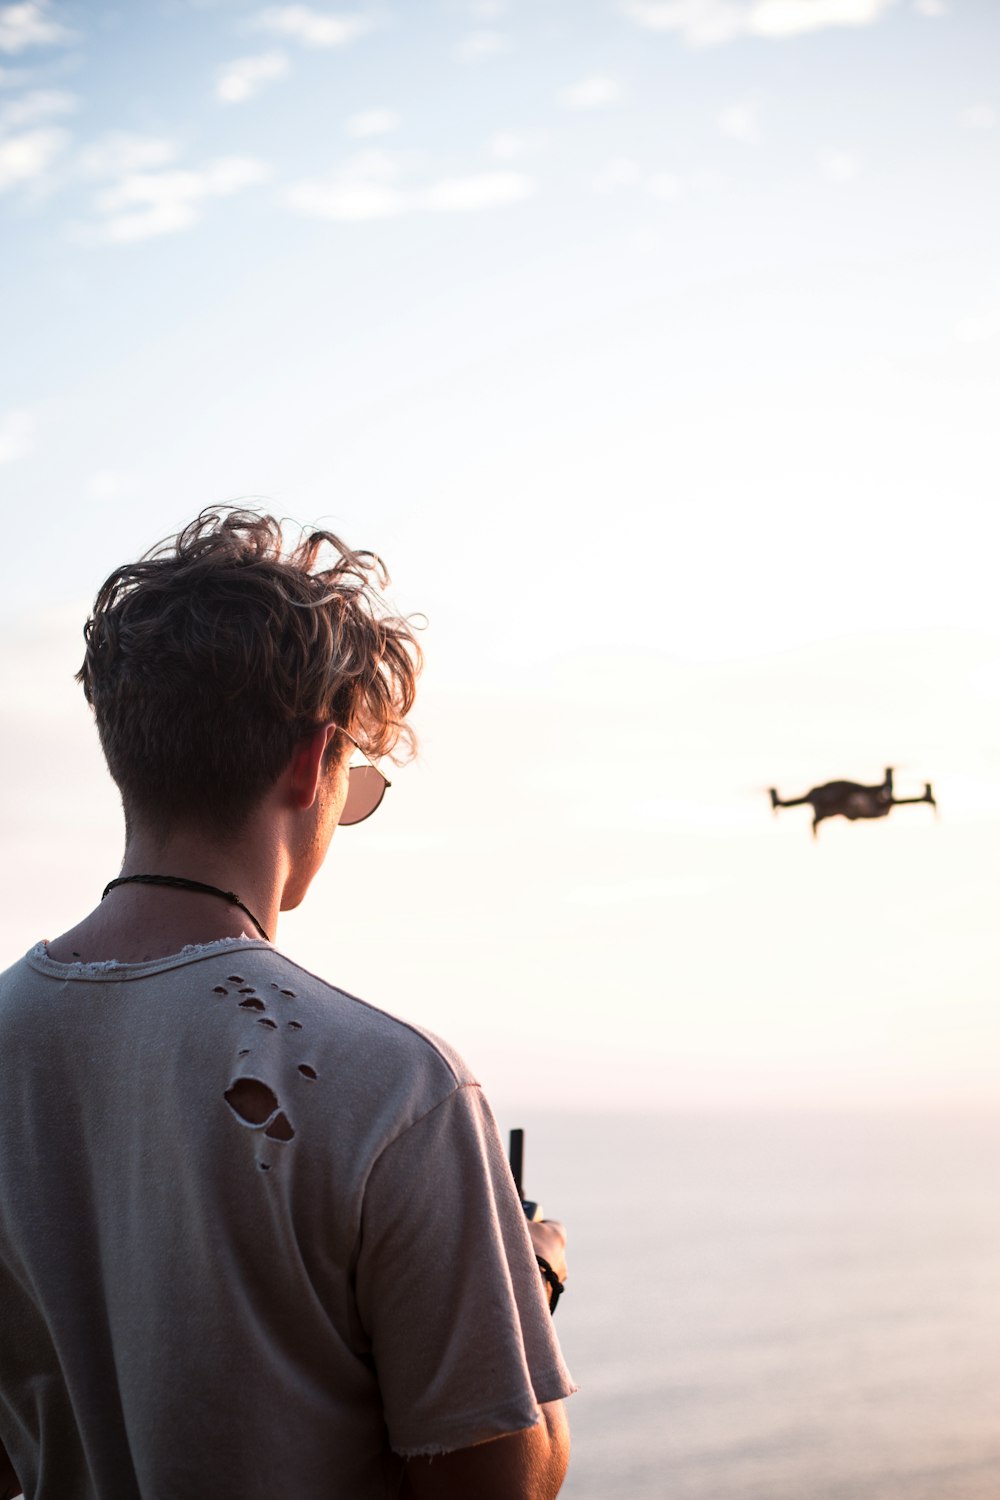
654	345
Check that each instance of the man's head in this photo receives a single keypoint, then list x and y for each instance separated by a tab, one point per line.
213	656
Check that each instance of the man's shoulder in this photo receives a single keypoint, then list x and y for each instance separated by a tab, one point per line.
376	1074
269	981
401	1036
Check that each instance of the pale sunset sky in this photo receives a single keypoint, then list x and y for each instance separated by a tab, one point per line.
654	344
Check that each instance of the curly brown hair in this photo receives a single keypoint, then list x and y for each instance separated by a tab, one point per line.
213	655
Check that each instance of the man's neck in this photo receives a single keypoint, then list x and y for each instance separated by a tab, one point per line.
139	921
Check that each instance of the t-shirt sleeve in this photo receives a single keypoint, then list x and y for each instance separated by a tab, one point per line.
448	1287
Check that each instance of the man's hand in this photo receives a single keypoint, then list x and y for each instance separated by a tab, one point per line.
548	1237
528	1465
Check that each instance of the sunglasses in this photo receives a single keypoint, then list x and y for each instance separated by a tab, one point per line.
365	785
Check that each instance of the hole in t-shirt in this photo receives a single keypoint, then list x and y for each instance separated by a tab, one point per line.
266	1021
252	1002
220	989
280	1129
265	1166
289	993
236	979
307	1071
248	989
295	1025
243	1052
251	1099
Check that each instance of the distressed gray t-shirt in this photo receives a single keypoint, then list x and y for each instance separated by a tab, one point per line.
257	1238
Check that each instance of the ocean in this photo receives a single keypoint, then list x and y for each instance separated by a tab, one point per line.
777	1307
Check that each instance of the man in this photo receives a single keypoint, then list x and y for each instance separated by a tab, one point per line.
257	1238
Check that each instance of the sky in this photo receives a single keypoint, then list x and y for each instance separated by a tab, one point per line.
654	345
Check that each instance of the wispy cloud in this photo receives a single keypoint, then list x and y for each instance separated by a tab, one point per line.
706	23
111	484
480	190
507	145
143	205
16	434
780	18
981	327
241	79
979	117
623	172
370	187
839	166
619	173
739	122
642	888
366	187
368	122
312	28
591	93
669	187
26	157
480	44
119	154
39	104
30	24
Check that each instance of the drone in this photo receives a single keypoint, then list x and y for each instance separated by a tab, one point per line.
849	799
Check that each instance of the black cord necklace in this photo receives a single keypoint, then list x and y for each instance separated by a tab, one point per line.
179	883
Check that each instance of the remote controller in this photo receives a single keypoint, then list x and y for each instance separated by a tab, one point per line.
532	1209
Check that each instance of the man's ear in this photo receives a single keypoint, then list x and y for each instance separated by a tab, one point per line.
307	770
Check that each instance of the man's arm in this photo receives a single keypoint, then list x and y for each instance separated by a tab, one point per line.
528	1465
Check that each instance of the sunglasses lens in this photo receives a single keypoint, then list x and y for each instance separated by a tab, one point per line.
365	790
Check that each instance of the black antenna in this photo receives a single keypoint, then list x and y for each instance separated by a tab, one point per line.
517	1159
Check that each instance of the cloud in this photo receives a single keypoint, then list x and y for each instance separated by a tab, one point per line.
702	23
119	154
26	157
983	327
507	145
839	166
480	44
30	25
241	79
739	122
372	122
641	888
706	23
16	434
669	187
481	190
795	17
364	188
979	117
312	28
591	93
622	172
111	484
369	187
143	205
41	104
934	9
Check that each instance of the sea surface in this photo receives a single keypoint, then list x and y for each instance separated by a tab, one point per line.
778	1307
